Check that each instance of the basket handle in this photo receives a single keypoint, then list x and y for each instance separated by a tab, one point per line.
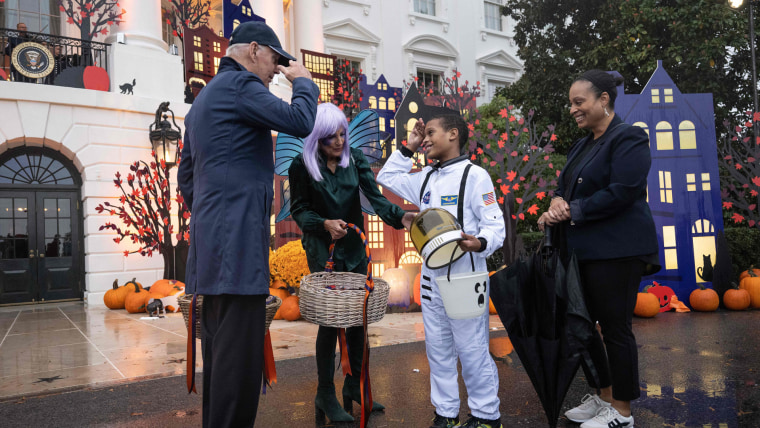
369	284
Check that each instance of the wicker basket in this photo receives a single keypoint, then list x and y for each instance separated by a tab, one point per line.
341	308
186	301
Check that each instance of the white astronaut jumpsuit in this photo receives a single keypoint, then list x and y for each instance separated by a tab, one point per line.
446	338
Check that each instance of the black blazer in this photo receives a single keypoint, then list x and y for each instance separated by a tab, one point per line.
610	216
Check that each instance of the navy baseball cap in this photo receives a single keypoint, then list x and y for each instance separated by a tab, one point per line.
261	33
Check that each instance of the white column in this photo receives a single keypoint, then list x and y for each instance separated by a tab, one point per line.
142	24
271	10
307	15
138	53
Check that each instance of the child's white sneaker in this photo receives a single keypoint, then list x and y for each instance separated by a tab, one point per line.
608	417
590	405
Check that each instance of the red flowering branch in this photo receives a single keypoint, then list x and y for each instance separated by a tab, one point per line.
145	208
739	157
517	153
92	16
347	95
187	14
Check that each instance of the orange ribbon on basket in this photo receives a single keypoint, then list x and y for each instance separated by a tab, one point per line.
270	371
369	286
191	348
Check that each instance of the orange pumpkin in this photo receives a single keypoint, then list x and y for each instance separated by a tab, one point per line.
290	309
491	307
704	299
282	294
164	287
746	273
114	298
736	299
751	283
647	305
137	300
278	283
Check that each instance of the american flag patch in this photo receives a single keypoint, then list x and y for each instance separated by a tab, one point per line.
489	198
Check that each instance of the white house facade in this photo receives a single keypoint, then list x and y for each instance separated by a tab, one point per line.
60	147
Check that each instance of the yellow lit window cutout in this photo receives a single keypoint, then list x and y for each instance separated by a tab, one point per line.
382	105
703	243
664	136
196	41
391	103
669	245
655	96
687	135
375	226
198	57
217	47
373	102
644	126
235	23
378	269
379	86
272	225
706	181
393	122
666	187
691	182
668	92
385	86
407	239
216	65
381	121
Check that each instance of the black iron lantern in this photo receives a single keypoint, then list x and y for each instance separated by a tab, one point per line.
164	137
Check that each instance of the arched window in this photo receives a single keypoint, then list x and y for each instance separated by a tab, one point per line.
643	126
382	105
373	102
664	136
34	167
391	104
687	135
410	258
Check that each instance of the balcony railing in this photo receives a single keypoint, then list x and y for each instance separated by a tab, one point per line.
65	53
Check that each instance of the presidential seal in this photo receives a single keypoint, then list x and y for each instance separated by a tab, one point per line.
32	59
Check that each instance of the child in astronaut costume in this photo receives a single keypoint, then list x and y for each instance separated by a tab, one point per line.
446	339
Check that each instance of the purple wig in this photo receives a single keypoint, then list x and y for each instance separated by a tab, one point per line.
329	120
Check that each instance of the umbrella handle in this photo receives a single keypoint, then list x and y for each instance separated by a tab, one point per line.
451	260
548	237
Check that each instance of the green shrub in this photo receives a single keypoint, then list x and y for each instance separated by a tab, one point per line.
743	246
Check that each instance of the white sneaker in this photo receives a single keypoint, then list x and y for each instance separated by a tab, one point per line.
590	405
608	417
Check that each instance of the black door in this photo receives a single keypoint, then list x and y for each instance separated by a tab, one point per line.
41	257
56	246
18	262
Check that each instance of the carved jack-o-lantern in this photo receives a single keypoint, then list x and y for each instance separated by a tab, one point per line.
664	294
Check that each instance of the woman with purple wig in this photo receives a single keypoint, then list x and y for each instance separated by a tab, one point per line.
324	196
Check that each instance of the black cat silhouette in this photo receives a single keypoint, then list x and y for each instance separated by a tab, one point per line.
706	272
127	88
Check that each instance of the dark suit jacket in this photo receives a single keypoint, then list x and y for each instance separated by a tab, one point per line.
610	217
226	176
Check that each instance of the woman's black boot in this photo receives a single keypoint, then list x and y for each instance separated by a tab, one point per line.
326	403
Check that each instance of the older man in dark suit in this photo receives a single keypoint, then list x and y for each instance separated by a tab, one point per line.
226	177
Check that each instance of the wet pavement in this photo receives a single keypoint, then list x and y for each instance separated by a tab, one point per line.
697	370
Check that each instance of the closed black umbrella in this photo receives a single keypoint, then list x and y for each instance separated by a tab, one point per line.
539	300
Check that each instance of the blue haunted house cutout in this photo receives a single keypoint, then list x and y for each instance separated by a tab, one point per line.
236	12
383	99
683	182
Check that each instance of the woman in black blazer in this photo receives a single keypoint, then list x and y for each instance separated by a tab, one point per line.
601	207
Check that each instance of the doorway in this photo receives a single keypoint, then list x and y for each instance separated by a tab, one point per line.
41	254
